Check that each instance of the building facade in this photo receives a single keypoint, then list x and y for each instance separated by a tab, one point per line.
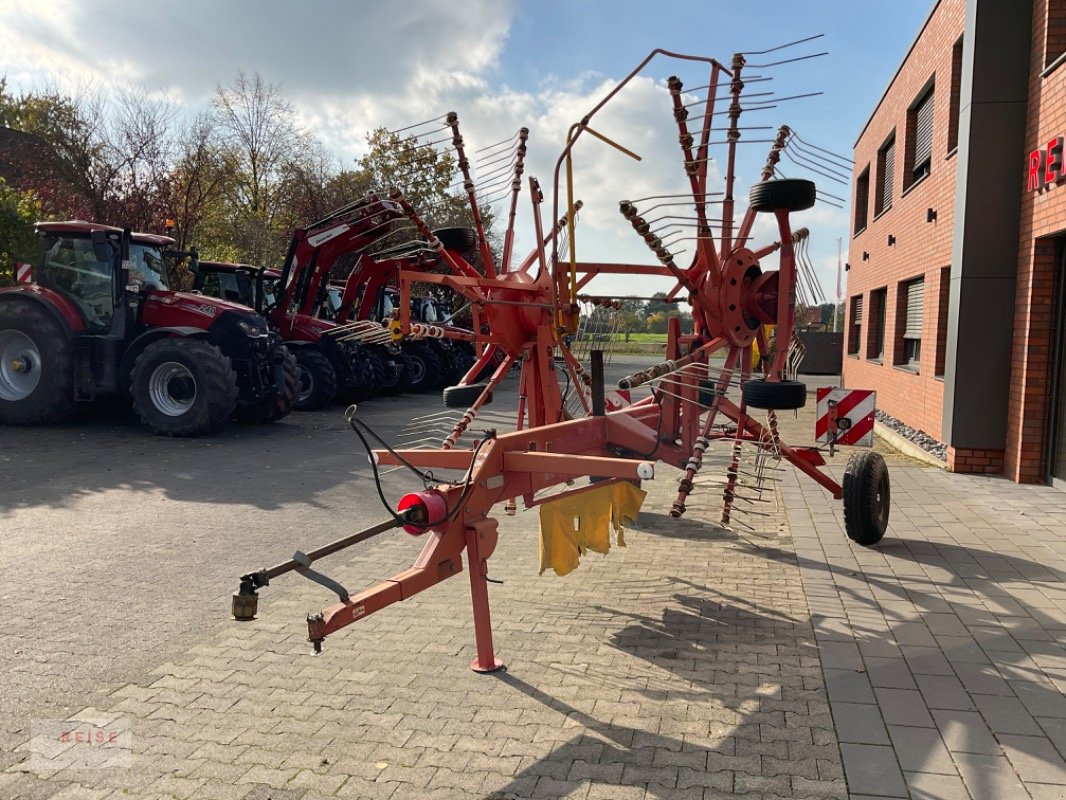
955	285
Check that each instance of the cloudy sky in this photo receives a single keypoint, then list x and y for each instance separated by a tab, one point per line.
349	67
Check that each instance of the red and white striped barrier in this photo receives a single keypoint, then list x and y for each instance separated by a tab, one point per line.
845	416
23	272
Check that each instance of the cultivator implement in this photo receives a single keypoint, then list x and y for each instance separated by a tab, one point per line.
737	364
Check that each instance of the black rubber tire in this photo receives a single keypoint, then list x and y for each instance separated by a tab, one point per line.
867	498
779	396
394	372
425	370
378	367
214	386
461	240
459	363
362	378
792	194
54	395
464	396
318	379
276	406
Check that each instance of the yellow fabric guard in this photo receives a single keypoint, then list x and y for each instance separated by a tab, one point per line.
573	525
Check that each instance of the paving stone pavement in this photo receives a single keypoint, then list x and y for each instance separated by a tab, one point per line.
943	647
695	663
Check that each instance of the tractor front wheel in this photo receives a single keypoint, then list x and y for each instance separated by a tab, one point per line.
867	497
275	406
183	387
36	366
425	370
318	379
394	373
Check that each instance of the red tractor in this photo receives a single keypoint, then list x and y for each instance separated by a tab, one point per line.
326	368
99	320
330	361
369	295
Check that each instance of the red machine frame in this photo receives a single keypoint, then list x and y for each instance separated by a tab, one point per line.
529	316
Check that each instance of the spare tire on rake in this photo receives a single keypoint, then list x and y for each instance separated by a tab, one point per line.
775	395
791	194
464	396
461	240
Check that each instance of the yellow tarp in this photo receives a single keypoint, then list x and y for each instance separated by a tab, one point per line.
573	525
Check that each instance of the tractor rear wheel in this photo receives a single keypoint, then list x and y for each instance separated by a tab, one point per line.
183	387
789	194
278	405
867	497
36	366
775	395
464	396
318	380
425	370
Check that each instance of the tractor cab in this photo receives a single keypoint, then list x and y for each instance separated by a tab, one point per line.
95	267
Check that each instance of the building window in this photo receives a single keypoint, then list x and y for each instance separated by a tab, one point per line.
956	96
862	199
910	307
886	166
1055	41
919	138
942	321
855	325
875	325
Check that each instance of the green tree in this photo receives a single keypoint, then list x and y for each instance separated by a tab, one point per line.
629	322
19	210
656	323
262	141
424	174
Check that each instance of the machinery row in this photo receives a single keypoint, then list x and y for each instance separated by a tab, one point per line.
94	317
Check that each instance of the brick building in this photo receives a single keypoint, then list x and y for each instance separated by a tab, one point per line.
955	289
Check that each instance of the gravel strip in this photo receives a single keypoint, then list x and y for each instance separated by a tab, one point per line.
930	445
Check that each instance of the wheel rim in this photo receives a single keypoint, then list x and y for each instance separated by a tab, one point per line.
882	501
418	369
20	365
307	384
172	389
391	375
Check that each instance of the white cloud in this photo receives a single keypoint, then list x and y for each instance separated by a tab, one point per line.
351	67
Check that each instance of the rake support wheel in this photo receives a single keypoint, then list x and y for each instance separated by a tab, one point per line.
775	395
867	498
464	396
791	194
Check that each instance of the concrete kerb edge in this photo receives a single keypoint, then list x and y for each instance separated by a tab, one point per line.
906	447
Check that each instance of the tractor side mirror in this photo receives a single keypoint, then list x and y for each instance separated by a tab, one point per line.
194	261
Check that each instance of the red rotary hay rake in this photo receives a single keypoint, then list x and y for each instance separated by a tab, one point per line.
528	310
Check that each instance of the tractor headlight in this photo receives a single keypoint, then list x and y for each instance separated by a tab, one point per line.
252	328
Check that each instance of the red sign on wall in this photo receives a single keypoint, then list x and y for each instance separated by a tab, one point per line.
1045	166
